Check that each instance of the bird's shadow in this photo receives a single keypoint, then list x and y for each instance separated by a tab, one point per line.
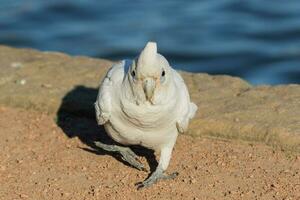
76	117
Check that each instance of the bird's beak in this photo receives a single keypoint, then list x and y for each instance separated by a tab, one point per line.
149	86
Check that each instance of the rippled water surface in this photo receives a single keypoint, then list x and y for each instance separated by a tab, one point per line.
257	40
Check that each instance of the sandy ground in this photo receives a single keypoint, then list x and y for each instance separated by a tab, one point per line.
42	160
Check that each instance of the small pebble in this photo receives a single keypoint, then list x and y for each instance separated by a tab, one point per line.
2	168
23	196
16	65
19	161
45	85
21	82
84	168
192	181
66	194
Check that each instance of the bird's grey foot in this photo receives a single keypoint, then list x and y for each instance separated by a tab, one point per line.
156	176
127	154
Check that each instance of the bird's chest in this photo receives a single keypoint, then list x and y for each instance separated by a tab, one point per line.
147	125
147	116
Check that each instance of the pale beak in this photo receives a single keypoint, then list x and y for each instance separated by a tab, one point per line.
149	86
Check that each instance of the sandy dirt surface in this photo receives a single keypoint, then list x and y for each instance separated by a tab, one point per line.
42	160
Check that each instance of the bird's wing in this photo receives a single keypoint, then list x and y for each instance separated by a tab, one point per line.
187	109
103	105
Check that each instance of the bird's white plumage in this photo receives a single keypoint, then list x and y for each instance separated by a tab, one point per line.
103	103
130	119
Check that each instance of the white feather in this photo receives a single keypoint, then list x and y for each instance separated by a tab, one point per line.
105	93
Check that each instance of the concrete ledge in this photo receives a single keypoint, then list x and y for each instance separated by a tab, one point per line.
229	107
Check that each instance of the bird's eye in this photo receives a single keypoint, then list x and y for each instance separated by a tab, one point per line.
163	76
133	73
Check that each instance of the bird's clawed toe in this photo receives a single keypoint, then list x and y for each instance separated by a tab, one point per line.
126	154
129	156
170	176
156	176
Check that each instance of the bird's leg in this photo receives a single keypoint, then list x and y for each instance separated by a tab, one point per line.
159	174
127	154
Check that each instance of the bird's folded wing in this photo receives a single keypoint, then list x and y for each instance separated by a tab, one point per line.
182	124
192	110
188	109
106	91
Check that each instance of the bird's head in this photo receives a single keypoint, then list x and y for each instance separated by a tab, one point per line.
149	74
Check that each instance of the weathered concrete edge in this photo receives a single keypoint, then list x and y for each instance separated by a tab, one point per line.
278	139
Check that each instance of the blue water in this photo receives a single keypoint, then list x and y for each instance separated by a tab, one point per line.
258	40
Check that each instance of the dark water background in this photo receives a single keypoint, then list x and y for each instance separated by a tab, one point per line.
258	40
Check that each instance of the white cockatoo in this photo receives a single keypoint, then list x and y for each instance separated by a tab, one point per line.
144	102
